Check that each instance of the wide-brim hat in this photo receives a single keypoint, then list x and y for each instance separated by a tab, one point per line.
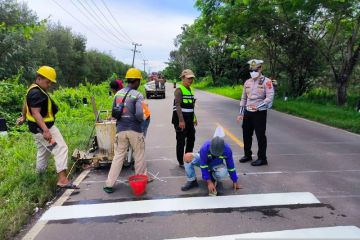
187	73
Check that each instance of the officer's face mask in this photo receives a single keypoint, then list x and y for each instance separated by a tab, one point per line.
254	73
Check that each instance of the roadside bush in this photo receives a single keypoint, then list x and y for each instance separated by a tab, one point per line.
11	100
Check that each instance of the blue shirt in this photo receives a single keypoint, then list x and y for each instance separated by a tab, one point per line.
208	162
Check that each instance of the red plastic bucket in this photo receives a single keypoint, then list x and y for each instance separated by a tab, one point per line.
138	184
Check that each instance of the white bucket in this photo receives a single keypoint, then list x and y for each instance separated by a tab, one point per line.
105	132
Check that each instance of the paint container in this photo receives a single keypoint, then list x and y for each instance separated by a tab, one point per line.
138	184
3	127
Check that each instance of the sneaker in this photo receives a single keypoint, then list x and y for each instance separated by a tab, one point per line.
181	166
245	159
189	185
108	189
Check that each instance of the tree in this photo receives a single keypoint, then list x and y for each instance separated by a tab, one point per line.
336	34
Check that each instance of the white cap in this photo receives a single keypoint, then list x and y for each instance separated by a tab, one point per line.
254	63
219	132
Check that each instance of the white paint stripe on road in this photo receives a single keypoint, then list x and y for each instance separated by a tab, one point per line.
302	171
123	180
338	232
177	204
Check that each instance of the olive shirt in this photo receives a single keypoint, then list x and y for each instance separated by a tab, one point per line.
178	100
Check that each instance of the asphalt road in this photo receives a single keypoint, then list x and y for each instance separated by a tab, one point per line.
303	156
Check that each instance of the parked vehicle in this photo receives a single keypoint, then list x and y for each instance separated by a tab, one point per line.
155	88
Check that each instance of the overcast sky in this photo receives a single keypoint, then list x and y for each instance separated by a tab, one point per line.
152	23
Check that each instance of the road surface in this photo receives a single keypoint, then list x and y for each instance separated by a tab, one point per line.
310	187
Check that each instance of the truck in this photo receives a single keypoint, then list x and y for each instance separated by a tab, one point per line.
155	87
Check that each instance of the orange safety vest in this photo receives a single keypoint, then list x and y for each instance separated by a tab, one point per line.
49	116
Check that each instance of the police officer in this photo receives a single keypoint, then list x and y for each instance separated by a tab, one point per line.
257	97
183	116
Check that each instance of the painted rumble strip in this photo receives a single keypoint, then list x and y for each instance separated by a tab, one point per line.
339	232
177	204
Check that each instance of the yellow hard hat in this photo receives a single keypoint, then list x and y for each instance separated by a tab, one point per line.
133	73
47	72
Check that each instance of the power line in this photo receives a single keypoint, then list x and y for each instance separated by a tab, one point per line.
124	36
85	25
116	21
94	22
102	22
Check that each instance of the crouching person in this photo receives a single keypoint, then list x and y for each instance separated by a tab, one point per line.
210	159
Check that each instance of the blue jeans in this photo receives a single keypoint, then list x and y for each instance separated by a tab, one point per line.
218	172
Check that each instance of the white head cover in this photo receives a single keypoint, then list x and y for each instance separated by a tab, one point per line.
219	132
254	63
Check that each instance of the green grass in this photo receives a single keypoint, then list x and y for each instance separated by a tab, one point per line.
315	105
227	91
340	117
21	188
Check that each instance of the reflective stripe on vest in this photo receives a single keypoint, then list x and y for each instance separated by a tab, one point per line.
188	110
49	116
221	156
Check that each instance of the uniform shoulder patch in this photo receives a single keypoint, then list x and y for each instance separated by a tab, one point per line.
269	84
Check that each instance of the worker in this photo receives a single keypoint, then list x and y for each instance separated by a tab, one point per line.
116	85
39	110
257	97
210	159
129	114
183	117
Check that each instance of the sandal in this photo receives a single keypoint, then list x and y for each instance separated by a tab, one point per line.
68	186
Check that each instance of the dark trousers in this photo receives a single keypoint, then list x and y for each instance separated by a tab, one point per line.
255	121
184	137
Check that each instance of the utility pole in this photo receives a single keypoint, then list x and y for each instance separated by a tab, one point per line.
134	50
145	63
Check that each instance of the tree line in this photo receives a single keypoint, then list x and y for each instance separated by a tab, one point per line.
27	43
305	44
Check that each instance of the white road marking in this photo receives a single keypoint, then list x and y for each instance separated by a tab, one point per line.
177	204
123	180
338	232
303	171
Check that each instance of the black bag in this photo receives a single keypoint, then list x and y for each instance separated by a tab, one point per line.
118	109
